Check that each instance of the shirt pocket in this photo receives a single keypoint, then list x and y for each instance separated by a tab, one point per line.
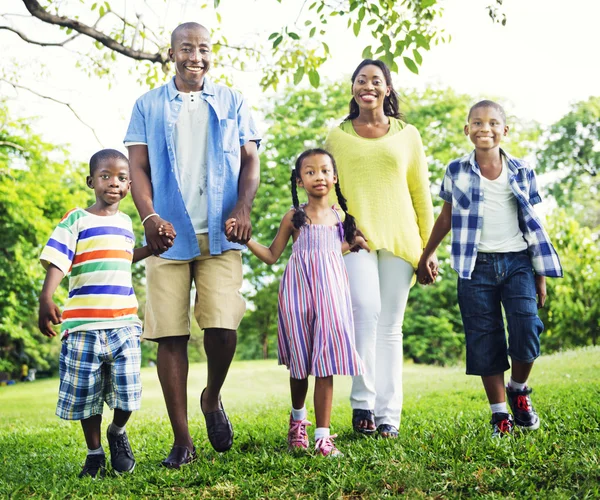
229	133
461	197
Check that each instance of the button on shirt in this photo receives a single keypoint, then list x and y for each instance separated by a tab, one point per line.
230	126
462	188
191	139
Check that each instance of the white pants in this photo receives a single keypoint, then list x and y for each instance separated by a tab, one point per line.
379	285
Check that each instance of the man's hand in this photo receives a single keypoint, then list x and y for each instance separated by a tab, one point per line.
540	288
159	235
49	315
427	270
241	230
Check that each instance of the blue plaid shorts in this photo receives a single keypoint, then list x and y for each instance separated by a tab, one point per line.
98	366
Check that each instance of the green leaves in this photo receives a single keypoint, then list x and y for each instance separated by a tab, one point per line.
314	78
410	64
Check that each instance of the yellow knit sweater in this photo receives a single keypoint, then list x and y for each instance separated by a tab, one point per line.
386	183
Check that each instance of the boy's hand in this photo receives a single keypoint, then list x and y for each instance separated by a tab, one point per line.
156	242
540	288
49	315
427	270
167	230
360	243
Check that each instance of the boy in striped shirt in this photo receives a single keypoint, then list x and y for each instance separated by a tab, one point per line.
100	356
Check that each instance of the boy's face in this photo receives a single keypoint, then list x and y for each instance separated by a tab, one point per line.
110	181
191	53
486	128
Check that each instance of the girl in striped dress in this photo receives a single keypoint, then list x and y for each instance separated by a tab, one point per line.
316	330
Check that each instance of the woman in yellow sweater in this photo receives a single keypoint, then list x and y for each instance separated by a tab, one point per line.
383	171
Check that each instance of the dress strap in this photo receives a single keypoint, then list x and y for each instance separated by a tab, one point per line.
340	224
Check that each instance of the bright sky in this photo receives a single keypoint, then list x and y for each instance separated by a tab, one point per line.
538	64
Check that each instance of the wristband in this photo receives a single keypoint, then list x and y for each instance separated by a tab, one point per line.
148	216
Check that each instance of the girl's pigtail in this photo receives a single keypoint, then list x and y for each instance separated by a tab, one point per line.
299	217
349	221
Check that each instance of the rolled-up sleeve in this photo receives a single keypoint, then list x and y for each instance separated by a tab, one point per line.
136	132
446	187
534	195
246	126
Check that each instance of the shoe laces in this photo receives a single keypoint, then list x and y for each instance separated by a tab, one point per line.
93	464
504	426
121	445
326	447
297	433
523	403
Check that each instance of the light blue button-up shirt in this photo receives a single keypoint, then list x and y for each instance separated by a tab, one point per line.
230	127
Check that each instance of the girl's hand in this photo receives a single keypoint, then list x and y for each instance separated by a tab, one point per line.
360	243
229	226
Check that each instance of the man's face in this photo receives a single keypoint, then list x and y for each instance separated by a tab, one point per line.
191	52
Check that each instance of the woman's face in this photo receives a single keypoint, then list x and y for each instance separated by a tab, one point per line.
370	88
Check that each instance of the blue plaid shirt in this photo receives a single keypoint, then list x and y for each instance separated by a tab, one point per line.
230	127
461	187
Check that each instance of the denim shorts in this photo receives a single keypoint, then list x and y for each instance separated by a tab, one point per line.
99	366
507	280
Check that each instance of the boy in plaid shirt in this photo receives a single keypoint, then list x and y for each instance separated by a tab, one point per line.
502	255
100	355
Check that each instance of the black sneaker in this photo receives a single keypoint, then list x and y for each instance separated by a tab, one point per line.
95	466
520	404
121	456
502	424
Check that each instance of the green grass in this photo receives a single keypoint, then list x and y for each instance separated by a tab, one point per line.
444	449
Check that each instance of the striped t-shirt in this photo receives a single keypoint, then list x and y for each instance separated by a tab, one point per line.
97	251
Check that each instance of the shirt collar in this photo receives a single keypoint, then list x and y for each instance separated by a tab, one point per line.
513	163
172	92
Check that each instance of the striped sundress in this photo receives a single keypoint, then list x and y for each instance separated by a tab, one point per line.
315	325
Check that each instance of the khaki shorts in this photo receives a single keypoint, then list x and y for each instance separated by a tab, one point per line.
218	302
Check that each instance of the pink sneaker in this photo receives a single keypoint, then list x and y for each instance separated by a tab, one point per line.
297	436
325	447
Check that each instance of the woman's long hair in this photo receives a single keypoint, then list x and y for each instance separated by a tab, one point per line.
390	103
299	218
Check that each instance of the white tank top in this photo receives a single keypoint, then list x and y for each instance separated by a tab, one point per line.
500	232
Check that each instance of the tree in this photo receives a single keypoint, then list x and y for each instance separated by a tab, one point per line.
572	152
400	32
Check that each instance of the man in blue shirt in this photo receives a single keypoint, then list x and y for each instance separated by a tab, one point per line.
194	163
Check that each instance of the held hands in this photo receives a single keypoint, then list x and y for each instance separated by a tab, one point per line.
229	226
241	229
360	243
427	270
49	315
159	235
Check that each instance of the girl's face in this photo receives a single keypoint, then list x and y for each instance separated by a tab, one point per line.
317	175
370	88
